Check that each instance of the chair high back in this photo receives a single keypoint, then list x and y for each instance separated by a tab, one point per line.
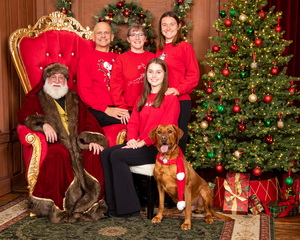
54	38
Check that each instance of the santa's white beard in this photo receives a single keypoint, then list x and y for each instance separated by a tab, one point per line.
55	92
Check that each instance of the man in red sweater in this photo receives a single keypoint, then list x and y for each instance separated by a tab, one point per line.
94	78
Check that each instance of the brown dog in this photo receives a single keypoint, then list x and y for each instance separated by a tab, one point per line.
198	195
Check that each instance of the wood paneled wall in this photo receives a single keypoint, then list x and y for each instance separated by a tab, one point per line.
17	14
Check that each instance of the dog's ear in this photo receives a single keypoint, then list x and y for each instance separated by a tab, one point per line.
152	133
179	133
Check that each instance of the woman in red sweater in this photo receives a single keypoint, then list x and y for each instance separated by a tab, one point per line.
153	108
183	68
128	71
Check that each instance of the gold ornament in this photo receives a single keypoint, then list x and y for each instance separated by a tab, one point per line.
204	124
243	17
252	98
280	124
211	74
254	65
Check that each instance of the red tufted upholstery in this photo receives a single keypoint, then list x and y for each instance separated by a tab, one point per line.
51	46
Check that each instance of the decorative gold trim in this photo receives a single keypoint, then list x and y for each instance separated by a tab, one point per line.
54	21
33	168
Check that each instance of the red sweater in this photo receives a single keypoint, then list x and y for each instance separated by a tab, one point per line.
141	123
183	67
127	78
94	71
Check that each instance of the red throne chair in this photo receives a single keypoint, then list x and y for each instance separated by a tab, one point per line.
58	38
54	38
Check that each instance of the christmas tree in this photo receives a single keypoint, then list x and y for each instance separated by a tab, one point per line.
246	118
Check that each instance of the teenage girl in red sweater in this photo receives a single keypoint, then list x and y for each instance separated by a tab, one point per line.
183	69
152	109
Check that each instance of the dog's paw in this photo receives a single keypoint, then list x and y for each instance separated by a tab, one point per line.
156	220
209	220
185	226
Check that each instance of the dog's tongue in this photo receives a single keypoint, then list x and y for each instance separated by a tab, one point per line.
164	148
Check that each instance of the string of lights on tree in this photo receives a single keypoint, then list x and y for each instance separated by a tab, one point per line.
246	119
123	12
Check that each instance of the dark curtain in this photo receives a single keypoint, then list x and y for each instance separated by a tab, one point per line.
290	23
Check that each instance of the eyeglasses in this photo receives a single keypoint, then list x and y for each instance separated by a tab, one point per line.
136	34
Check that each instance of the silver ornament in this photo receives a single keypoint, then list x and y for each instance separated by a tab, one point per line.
254	65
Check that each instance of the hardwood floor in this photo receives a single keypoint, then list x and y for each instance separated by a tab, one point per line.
287	228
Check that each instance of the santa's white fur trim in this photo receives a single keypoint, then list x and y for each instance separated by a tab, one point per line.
180	176
181	205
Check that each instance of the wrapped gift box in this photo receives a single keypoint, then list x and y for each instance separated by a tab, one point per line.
219	192
279	208
265	190
236	193
255	205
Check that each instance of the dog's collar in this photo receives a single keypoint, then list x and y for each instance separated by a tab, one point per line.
161	158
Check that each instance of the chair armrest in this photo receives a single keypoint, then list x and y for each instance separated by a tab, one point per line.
35	148
115	134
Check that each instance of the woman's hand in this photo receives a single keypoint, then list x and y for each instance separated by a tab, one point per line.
173	91
50	133
97	148
135	144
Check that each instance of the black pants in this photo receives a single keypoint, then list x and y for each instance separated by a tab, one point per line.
103	119
184	118
120	192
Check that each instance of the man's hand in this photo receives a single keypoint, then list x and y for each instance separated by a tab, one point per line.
97	148
135	144
50	133
118	113
173	91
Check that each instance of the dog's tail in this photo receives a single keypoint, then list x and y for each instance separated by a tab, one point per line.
220	216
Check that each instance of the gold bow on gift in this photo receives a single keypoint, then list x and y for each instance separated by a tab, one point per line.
238	191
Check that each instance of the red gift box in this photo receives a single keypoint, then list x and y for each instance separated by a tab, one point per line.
236	193
265	190
219	192
255	205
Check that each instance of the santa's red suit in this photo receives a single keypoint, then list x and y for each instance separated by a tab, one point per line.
70	182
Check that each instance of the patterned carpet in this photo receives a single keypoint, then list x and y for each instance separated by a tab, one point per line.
15	223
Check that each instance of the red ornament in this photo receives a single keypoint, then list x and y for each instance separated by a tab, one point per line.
234	48
142	16
225	72
268	98
258	42
209	90
262	14
228	23
236	108
110	14
126	13
219	168
242	127
120	5
209	117
274	71
269	139
278	29
292	90
216	48
64	11
180	2
100	20
257	171
147	42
